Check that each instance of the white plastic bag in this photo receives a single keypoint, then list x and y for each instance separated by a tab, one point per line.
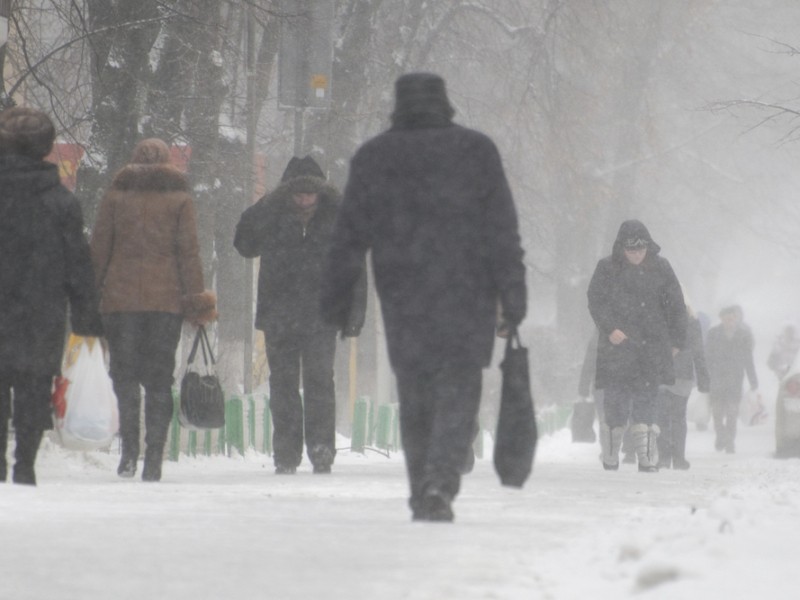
699	410
91	418
752	410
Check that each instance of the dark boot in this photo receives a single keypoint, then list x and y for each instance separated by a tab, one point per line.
28	440
321	458
435	505
129	401
158	410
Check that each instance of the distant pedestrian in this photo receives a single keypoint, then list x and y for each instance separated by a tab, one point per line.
690	368
290	230
637	305
147	261
45	275
729	352
430	199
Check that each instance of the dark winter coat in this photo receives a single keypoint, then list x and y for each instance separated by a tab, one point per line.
45	267
646	303
690	363
729	358
433	205
144	243
293	261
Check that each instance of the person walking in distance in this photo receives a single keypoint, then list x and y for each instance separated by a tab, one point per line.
45	275
431	201
637	305
729	351
290	230
147	262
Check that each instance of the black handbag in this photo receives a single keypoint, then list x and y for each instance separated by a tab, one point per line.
516	435
202	399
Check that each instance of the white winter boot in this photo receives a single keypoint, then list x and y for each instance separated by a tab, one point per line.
610	443
644	441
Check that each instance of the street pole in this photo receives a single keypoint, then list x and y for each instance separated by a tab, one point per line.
5	13
249	186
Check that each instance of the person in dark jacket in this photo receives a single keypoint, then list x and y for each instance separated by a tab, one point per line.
638	307
430	199
45	274
147	262
290	229
690	367
729	351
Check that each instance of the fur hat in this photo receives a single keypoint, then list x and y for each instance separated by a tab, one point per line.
151	151
26	132
201	308
303	175
419	94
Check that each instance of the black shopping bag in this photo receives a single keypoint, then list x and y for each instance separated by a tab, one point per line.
516	435
202	400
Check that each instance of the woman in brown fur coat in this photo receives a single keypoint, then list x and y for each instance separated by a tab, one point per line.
147	265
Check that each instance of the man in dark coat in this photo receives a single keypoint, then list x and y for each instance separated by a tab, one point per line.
638	307
290	229
729	352
45	269
431	200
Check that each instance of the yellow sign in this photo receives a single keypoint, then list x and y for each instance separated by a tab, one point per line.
319	82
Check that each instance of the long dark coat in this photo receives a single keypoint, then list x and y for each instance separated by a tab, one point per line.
646	303
44	267
434	206
729	359
292	262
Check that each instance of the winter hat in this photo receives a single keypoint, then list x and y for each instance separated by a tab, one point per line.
151	151
27	132
420	94
303	175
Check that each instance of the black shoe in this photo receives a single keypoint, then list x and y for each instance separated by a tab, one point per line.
151	471
322	469
24	474
681	464
127	467
609	467
648	469
283	470
435	506
321	458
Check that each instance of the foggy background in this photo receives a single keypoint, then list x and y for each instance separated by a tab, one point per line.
682	114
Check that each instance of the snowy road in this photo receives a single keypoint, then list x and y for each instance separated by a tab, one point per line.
228	528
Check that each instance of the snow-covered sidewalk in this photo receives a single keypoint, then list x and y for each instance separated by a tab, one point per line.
230	528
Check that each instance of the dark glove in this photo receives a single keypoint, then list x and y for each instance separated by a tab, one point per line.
351	331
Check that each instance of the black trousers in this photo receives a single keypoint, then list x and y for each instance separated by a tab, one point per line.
311	357
32	408
671	421
635	401
438	412
142	349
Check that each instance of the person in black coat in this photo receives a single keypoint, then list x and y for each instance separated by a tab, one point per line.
430	199
46	273
690	367
638	307
729	351
290	229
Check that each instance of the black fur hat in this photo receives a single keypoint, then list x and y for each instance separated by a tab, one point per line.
303	175
419	94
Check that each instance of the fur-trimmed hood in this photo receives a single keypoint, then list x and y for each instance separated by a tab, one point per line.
153	177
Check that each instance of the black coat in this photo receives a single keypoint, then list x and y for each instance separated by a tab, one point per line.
434	206
45	267
729	358
646	303
292	263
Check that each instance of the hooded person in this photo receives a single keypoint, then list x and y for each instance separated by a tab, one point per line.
45	275
430	199
637	305
146	258
290	229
